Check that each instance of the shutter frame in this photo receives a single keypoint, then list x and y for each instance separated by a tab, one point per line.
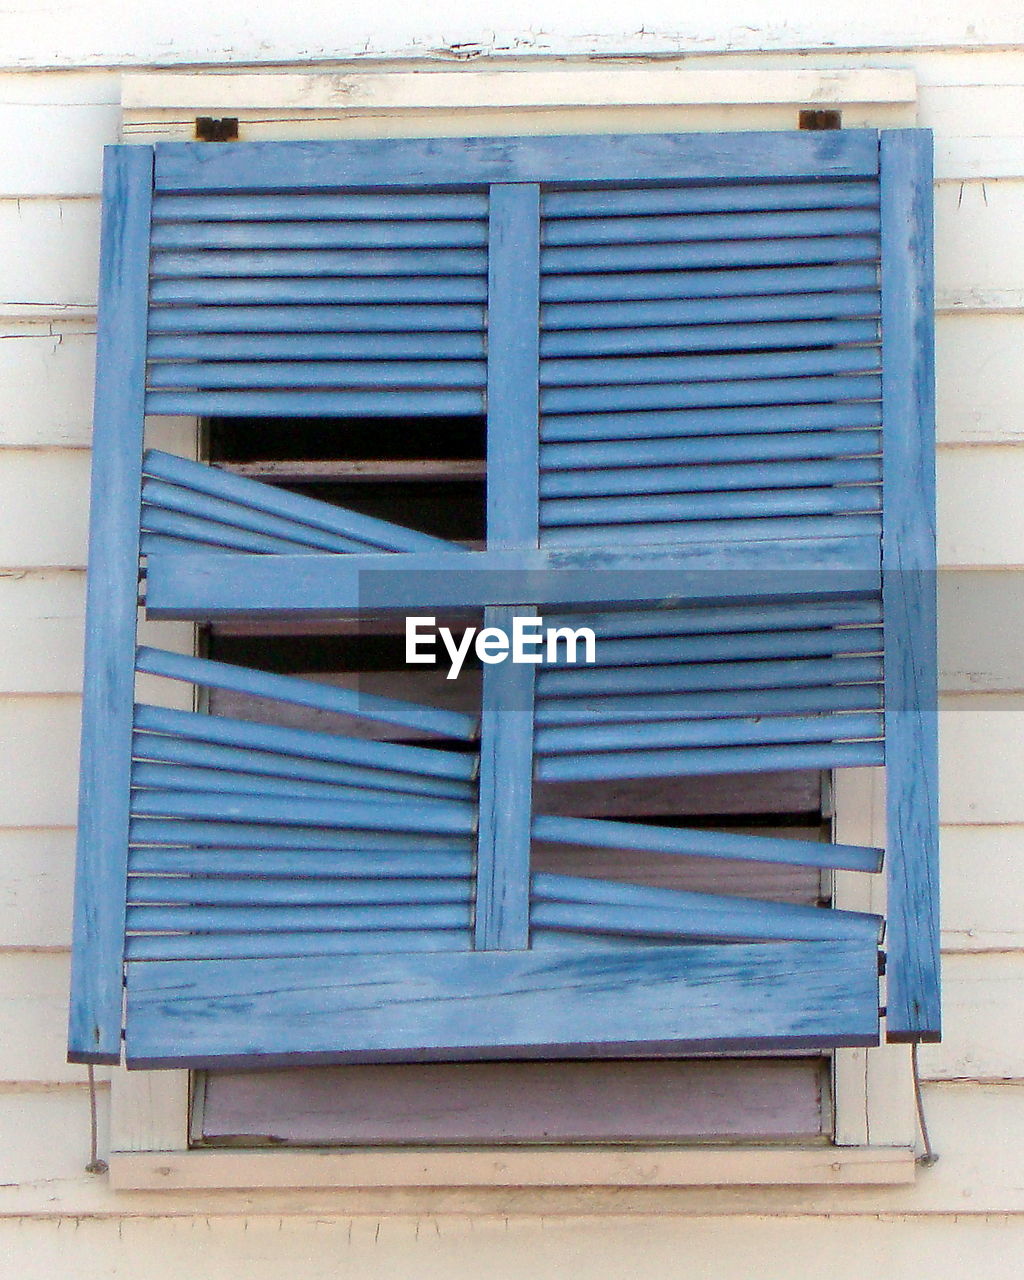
202	585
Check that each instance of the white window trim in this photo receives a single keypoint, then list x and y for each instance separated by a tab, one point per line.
873	1110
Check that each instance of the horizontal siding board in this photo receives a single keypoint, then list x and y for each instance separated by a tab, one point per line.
34	484
33	1006
34	732
50	257
982	912
980	392
979	763
983	1011
36	872
54	148
45	387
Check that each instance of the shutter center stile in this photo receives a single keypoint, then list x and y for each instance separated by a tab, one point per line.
506	726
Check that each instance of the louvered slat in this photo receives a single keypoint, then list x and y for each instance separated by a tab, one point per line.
246	264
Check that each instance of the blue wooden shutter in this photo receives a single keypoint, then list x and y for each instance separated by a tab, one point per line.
693	433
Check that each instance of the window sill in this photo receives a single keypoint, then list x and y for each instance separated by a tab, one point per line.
620	1166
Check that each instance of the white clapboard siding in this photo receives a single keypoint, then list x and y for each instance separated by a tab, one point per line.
981	620
39	760
33	1010
41	634
194	33
44	497
36	875
980	512
51	251
982	1019
982	890
330	1244
981	762
54	148
979	388
46	384
977	249
976	127
44	1134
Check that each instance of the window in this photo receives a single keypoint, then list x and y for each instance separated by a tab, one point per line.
781	230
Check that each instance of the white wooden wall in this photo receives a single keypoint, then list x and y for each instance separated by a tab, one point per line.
58	103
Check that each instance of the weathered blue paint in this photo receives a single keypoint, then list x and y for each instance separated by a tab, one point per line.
209	586
603	1002
600	833
258	946
706	368
304	693
319	260
711	309
908	588
227	215
642	709
460	162
358	346
94	1033
706	359
703	761
593	229
652	286
389	757
370	319
710	198
502	914
710	422
609	906
365	530
700	451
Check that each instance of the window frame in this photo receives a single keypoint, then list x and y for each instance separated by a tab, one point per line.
874	1129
